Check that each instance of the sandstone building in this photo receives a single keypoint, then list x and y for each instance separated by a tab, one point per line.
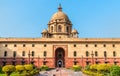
59	46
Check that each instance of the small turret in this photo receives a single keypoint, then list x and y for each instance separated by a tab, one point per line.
74	33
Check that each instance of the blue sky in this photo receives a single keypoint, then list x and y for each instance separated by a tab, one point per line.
92	18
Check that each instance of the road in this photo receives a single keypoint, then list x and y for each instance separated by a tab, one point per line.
61	72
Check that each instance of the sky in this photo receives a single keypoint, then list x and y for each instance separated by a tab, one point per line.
92	18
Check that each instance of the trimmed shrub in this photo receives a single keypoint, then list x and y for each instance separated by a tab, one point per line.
8	69
28	67
103	68
44	68
93	67
115	70
76	68
90	73
87	67
34	72
19	68
1	69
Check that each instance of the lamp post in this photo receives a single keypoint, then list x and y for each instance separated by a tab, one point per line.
38	60
92	57
82	61
29	57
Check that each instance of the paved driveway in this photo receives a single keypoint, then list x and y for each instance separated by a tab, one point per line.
61	72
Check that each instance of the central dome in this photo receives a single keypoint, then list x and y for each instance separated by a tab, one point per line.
59	15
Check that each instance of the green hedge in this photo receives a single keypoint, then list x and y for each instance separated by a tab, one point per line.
97	69
76	68
92	73
115	70
20	70
44	68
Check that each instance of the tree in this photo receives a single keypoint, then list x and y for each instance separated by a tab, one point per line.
19	68
8	69
115	70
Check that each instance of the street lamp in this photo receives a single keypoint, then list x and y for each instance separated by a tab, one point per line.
82	61
92	57
38	60
29	56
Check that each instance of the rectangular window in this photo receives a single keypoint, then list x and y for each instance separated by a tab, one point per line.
75	54
33	53
14	54
87	53
95	45
75	63
5	53
113	45
13	63
44	63
23	53
33	45
74	45
86	45
15	45
104	45
45	53
87	63
23	45
114	54
96	53
105	54
6	45
45	45
96	62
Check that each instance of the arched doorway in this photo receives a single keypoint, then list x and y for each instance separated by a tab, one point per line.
59	57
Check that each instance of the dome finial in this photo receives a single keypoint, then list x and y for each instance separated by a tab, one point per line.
59	8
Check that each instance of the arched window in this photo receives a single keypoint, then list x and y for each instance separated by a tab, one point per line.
14	53
96	53
87	53
75	53
23	53
5	53
59	28
105	54
45	53
33	53
51	28
114	53
67	29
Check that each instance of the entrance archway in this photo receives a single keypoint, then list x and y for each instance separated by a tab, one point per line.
59	57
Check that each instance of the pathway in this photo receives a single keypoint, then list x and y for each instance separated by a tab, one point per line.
61	72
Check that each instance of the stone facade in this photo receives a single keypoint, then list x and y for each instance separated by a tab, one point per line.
59	44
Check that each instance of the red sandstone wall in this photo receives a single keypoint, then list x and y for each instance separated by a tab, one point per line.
68	61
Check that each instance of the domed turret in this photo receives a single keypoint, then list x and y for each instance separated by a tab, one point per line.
45	31
59	16
59	26
74	31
